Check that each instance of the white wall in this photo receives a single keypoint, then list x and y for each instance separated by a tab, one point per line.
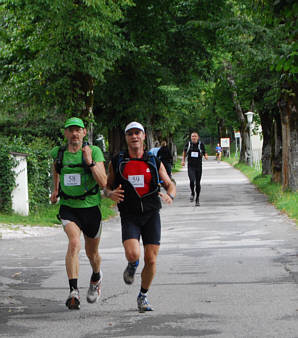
257	138
20	197
257	144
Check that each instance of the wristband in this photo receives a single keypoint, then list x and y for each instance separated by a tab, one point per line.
107	193
92	164
171	196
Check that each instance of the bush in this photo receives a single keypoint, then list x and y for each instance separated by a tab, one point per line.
38	166
7	182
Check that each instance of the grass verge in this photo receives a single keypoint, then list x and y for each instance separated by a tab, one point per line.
286	201
47	215
176	167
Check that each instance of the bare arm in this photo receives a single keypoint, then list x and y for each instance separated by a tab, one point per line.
117	194
183	158
98	171
56	181
169	186
99	174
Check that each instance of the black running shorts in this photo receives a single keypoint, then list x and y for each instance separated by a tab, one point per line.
87	219
148	226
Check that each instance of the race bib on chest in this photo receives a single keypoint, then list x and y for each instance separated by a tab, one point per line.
194	154
71	180
136	180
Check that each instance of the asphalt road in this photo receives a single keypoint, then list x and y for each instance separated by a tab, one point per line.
226	269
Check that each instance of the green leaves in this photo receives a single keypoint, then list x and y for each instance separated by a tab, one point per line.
38	166
48	42
7	182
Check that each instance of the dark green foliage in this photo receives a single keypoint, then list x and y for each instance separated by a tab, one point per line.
53	52
38	167
29	126
7	181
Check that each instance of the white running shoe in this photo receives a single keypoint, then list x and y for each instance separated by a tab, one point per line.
94	290
73	300
143	304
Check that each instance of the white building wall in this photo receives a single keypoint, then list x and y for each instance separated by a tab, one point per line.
20	196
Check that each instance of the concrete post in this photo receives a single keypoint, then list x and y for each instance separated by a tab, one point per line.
20	196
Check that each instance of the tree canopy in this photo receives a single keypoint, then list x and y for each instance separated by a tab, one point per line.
173	65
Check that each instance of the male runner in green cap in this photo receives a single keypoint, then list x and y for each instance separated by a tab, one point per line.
79	174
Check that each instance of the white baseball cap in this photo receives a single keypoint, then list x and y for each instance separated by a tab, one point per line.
135	125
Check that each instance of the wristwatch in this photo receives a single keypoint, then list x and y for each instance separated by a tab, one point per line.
171	196
92	164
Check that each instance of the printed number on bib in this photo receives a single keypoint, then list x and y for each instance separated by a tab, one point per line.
72	180
194	154
136	180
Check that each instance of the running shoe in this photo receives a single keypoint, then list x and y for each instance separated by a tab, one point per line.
73	300
129	272
192	197
94	290
143	304
197	202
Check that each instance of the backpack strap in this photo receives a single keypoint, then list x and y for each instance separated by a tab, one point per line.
58	162
188	147
92	191
122	156
152	159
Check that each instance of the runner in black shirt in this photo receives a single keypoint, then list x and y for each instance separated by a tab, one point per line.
194	150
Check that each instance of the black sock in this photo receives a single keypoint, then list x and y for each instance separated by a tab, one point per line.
95	277
144	291
73	284
134	264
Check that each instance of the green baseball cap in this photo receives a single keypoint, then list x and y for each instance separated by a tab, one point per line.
74	121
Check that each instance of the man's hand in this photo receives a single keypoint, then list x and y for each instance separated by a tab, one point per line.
183	163
54	197
116	195
166	198
87	154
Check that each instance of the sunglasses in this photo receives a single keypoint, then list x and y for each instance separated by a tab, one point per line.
130	133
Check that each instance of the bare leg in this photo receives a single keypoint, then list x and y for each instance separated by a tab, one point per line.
74	245
91	248
149	270
132	249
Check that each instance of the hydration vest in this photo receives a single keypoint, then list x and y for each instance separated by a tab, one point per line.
133	203
58	167
147	158
190	144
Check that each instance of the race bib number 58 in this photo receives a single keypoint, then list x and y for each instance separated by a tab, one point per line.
72	180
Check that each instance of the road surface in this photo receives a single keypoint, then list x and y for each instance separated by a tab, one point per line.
226	269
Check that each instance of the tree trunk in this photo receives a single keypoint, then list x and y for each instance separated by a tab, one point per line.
85	88
289	117
268	133
276	149
116	141
244	130
221	129
173	148
149	137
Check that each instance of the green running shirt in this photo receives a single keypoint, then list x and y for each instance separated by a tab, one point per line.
74	181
